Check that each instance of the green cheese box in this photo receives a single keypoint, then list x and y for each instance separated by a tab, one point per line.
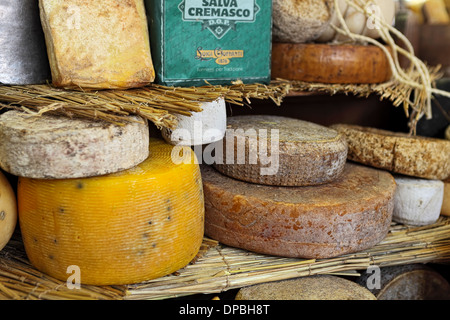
195	42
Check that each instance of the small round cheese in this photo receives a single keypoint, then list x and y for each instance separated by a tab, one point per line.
200	128
54	147
417	201
8	211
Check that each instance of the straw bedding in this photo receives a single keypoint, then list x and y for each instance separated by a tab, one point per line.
218	268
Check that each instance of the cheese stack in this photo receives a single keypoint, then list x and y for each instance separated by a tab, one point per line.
307	48
97	44
298	197
121	228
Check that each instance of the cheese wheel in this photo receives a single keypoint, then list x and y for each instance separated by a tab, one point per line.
417	202
200	128
58	147
122	228
8	211
406	282
319	287
447	133
350	214
281	151
330	63
97	44
416	156
445	210
299	21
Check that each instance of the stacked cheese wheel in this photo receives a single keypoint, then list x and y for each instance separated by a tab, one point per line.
283	187
306	46
421	166
102	199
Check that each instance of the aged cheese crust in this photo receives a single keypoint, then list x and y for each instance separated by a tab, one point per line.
330	63
305	153
416	156
97	44
350	214
53	147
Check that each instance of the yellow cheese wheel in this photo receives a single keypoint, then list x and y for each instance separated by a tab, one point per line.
122	228
8	211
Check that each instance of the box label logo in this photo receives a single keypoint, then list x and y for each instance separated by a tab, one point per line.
219	16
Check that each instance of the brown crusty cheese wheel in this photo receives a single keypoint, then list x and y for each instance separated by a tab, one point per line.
350	214
318	287
281	151
417	156
330	63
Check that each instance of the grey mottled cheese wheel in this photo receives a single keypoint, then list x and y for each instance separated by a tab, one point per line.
55	147
281	151
319	287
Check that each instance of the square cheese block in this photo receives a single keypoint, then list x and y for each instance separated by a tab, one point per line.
97	44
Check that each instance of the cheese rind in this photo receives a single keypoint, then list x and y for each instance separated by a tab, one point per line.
416	156
97	44
53	147
445	210
122	228
204	127
8	211
281	151
417	201
349	214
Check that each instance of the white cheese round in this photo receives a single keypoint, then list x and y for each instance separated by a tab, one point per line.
417	201
200	128
56	147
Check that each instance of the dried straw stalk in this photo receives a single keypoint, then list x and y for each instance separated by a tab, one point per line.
218	268
155	103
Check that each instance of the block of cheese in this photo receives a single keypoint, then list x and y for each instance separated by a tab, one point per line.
97	44
121	228
350	214
56	147
417	156
417	201
281	151
330	63
445	210
299	21
8	211
319	287
200	128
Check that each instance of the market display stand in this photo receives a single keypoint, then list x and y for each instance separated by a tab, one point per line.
219	269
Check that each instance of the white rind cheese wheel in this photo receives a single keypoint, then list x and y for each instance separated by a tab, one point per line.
281	151
445	210
418	202
200	128
51	147
8	211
